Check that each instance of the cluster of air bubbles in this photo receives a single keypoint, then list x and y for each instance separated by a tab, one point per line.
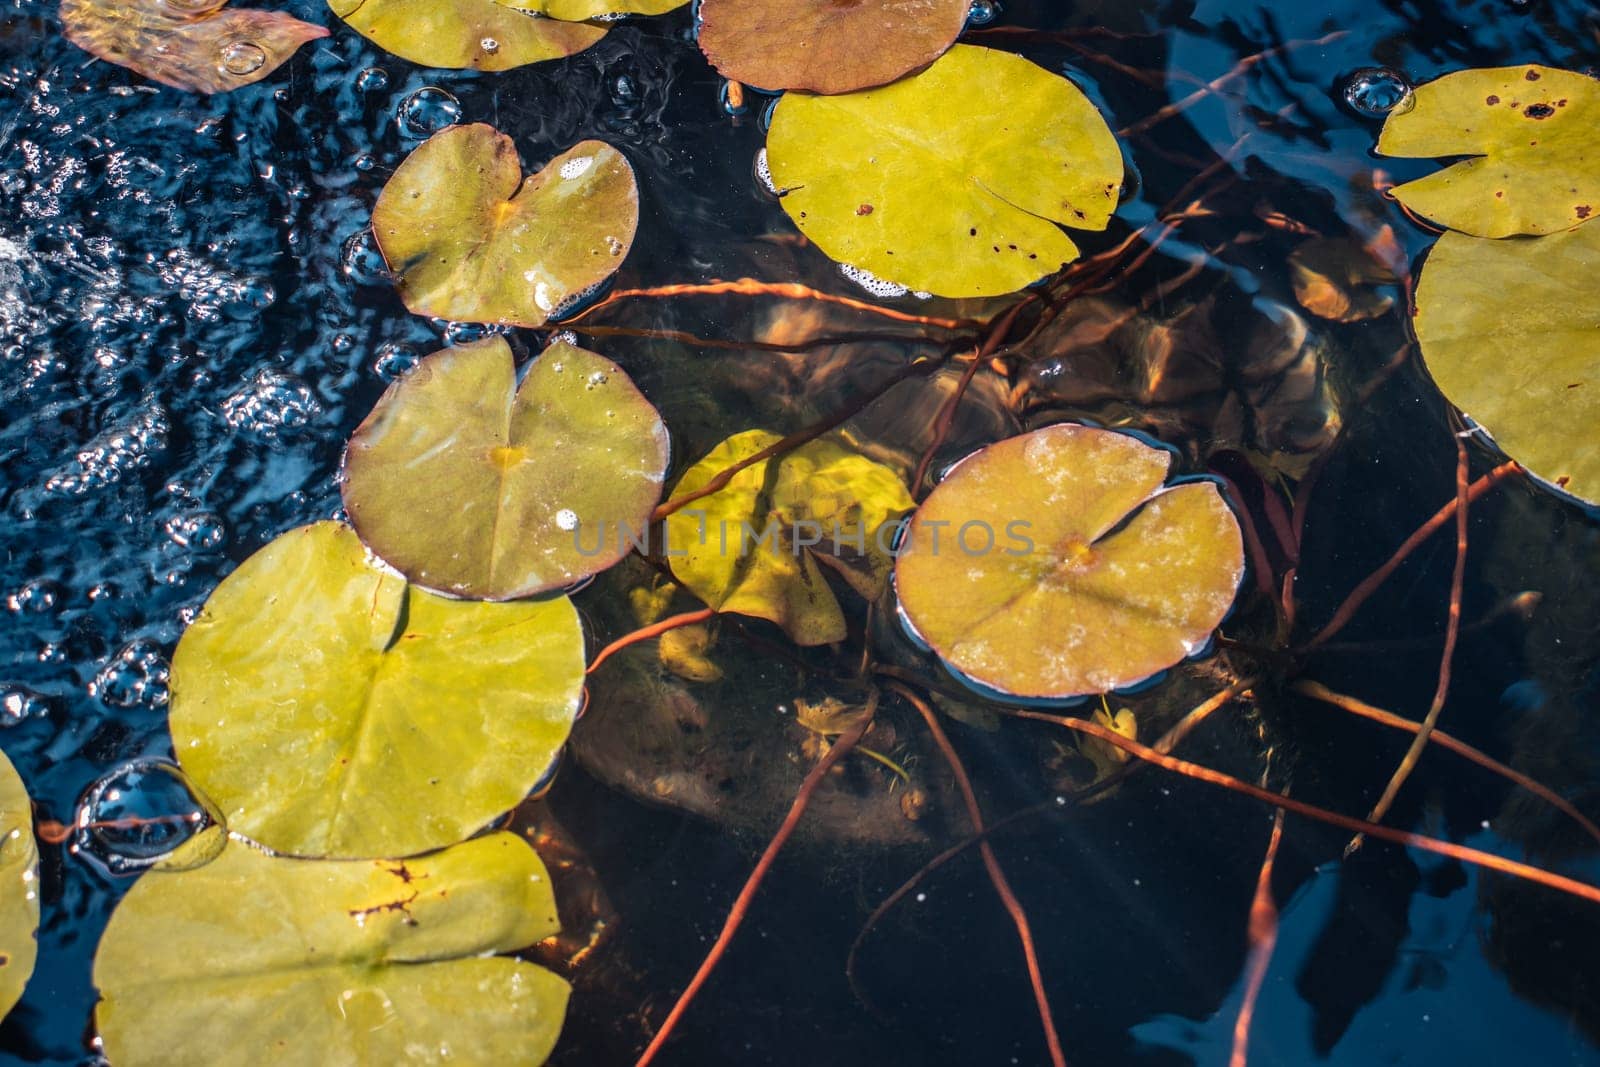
242	58
394	362
576	167
135	677
38	597
113	455
361	261
576	302
140	814
764	174
426	112
982	13
270	405
489	45
208	289
1378	91
202	531
372	80
878	287
18	702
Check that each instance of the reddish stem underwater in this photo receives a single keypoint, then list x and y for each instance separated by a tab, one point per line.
1263	937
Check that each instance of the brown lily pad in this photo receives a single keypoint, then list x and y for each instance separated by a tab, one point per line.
187	44
826	46
469	239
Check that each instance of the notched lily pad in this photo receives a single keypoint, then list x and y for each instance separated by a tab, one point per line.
469	239
254	959
824	46
474	486
328	709
458	34
19	888
1508	332
187	44
1056	564
950	181
1531	133
755	546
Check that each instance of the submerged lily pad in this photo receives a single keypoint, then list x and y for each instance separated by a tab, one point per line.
1508	332
754	547
825	46
1055	564
475	486
187	44
950	181
1335	278
1530	131
19	888
480	34
255	959
328	709
470	240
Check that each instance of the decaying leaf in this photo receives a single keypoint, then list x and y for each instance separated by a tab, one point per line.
683	652
1530	133
951	181
469	239
825	46
187	44
1335	278
1056	564
476	34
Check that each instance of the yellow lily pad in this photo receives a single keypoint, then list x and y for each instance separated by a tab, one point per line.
1508	332
19	888
950	181
474	486
1056	564
469	239
824	46
256	959
328	709
755	546
460	34
187	44
577	10
1530	131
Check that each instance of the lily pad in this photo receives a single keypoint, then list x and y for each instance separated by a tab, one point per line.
187	44
1335	278
19	888
577	10
1507	330
1056	564
755	546
255	959
470	240
328	709
1535	165
474	486
824	46
458	34
950	181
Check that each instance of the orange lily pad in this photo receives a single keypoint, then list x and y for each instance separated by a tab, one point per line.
187	44
1058	564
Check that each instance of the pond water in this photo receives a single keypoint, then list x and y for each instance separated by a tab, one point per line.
193	321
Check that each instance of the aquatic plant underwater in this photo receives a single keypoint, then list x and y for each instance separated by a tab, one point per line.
977	481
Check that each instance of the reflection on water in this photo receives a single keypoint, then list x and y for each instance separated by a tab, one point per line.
193	320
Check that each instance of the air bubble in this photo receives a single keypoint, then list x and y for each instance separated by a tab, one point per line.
1378	91
140	814
243	57
567	519
982	13
372	80
465	333
18	703
135	677
35	598
489	45
361	261
426	112
395	362
199	530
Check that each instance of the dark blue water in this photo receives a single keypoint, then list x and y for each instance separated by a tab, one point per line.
187	338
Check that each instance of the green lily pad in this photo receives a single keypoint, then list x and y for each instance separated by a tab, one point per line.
476	487
577	10
1056	564
187	44
744	548
459	34
19	888
950	181
255	959
1530	131
824	46
468	239
328	709
1508	332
